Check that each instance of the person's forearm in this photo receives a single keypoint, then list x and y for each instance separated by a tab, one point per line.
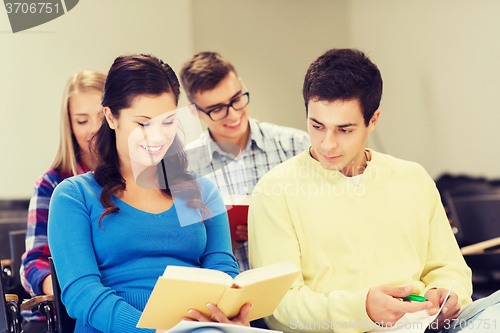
302	307
47	285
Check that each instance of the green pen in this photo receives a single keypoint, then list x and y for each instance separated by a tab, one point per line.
415	298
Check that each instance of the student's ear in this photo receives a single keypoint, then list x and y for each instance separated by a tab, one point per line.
374	120
110	118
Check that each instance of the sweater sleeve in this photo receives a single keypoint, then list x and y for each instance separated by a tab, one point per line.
272	239
83	294
218	254
445	264
35	263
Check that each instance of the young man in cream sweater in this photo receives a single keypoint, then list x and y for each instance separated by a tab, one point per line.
365	228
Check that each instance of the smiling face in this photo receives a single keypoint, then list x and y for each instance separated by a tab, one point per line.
338	135
144	131
234	128
85	113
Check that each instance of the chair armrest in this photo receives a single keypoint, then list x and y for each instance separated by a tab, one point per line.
11	297
7	267
6	262
480	247
36	301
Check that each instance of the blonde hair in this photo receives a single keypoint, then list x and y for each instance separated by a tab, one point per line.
83	81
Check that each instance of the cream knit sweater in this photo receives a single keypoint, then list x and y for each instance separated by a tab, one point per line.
391	230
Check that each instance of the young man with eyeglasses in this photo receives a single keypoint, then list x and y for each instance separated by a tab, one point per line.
365	228
240	149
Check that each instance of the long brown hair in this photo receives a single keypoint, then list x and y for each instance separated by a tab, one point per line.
131	76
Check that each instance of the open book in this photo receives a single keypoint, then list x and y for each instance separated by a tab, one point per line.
183	288
237	212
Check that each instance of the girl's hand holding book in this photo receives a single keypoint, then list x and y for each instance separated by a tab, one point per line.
240	319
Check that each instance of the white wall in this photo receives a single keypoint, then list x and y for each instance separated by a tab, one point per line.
439	62
271	44
441	70
36	63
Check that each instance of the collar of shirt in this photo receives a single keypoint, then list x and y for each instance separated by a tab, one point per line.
81	168
255	137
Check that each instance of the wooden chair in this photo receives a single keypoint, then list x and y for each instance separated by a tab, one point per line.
17	295
50	306
10	318
17	248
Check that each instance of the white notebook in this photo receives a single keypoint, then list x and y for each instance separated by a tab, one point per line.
415	322
189	326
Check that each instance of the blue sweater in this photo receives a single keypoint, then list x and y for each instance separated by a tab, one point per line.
107	272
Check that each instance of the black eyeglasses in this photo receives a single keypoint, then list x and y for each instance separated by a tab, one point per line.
221	112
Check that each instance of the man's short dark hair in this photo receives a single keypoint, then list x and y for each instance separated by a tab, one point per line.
204	71
344	74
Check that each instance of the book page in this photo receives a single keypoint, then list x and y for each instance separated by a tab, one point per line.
189	326
197	274
171	299
264	290
415	322
183	288
264	273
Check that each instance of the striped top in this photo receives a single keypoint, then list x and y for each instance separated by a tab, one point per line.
268	146
35	264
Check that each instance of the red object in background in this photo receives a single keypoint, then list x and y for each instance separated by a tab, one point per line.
237	211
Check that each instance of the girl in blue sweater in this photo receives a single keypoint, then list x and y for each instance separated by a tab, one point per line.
112	235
